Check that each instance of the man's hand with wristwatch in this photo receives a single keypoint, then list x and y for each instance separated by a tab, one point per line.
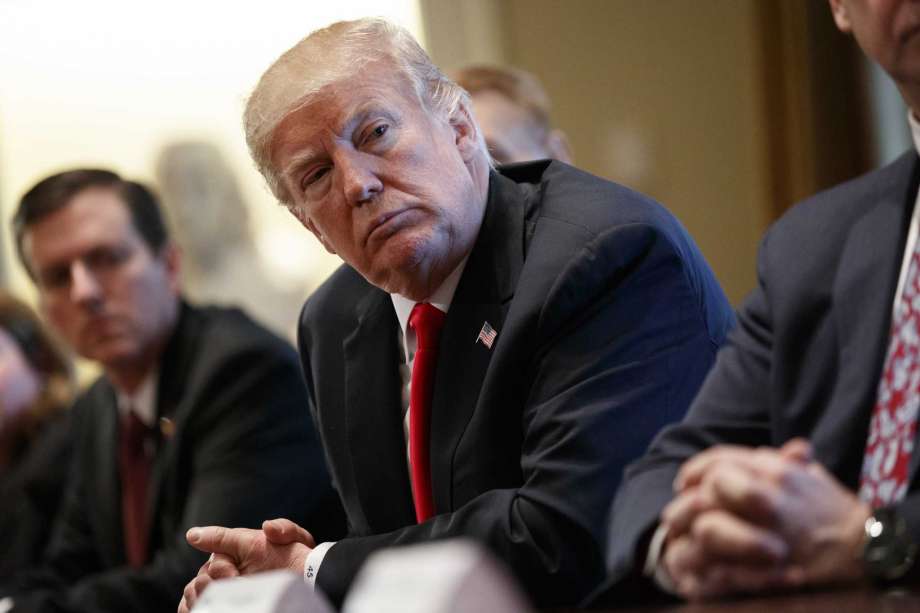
750	520
889	551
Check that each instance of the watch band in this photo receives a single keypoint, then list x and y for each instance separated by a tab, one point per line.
888	552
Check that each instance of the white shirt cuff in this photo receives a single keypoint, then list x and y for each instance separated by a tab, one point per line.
314	560
654	565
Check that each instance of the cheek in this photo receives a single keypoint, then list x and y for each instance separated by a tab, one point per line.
60	318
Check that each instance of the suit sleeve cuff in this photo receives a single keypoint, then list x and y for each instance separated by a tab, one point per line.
314	560
654	566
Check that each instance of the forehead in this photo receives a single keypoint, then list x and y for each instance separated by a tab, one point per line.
336	107
93	217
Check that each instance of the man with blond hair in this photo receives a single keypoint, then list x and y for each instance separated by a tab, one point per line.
518	336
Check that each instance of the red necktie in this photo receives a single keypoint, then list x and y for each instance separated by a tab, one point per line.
893	426
427	322
134	469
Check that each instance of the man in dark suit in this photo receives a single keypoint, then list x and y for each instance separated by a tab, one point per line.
794	465
200	414
543	323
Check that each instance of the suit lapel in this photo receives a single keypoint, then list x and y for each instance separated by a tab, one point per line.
373	415
483	294
175	366
862	297
107	489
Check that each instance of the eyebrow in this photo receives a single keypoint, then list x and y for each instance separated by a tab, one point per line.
355	116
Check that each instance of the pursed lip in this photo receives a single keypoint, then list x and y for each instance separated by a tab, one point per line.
381	220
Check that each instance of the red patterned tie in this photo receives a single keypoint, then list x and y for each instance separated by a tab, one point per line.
134	469
894	419
427	322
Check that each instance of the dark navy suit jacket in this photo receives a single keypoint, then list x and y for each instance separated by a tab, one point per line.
806	358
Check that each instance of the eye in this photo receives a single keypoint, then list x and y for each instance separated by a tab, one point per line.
313	176
107	258
54	278
376	133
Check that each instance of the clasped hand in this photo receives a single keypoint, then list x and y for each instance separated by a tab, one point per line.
280	544
747	520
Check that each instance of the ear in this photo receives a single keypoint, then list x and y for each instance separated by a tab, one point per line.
466	132
841	15
557	143
307	223
171	256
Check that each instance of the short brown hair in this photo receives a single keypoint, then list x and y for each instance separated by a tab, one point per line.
55	192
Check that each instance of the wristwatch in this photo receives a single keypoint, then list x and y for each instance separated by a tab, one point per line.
888	551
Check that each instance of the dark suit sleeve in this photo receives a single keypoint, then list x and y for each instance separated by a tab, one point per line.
252	454
31	493
619	347
732	407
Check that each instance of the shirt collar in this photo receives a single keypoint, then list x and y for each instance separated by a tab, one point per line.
914	129
441	298
143	401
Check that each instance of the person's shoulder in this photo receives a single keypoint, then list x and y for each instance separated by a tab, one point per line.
97	397
590	205
835	209
333	300
231	331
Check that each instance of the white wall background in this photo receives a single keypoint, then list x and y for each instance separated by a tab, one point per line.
108	83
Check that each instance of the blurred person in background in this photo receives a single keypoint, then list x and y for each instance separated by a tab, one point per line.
36	388
221	262
797	464
513	111
200	414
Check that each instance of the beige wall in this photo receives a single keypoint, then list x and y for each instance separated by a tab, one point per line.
660	95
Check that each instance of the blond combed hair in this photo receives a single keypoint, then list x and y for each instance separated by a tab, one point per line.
331	54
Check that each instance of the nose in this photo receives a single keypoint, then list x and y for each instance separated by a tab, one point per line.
84	286
361	183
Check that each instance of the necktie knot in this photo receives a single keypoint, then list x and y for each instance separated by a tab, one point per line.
134	433
426	320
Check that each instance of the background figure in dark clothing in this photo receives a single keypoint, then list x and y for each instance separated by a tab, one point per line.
36	388
200	414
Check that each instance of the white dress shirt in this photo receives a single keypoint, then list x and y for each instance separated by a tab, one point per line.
143	402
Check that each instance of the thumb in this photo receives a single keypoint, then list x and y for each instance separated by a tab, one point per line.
284	532
797	450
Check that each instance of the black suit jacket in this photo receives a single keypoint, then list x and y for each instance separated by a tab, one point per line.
807	356
608	318
244	450
31	492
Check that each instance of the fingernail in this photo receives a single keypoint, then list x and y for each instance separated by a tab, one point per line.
193	535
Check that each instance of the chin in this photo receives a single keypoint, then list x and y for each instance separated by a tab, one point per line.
406	264
114	354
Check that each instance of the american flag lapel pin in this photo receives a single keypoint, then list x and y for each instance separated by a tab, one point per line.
487	335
